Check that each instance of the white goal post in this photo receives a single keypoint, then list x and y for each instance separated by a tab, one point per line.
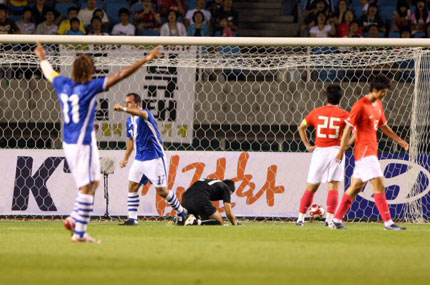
226	108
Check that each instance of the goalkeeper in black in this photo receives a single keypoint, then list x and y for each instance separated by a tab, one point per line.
197	200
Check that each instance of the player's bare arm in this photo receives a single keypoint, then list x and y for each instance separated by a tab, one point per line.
391	134
304	136
128	152
344	144
127	71
131	111
230	215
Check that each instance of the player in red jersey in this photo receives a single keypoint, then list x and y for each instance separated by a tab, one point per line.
329	122
366	116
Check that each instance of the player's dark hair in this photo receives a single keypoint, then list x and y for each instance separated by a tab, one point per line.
334	94
380	82
230	184
136	97
83	69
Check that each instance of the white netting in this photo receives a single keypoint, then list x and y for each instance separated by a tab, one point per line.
244	102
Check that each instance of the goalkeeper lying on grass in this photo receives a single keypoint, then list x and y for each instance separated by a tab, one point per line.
197	200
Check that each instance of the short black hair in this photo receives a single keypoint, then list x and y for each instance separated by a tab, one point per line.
136	97
198	12
3	7
73	20
334	94
230	184
96	18
28	9
380	82
48	10
123	11
98	10
72	9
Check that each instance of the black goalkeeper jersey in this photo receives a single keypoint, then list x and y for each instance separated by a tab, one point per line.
213	189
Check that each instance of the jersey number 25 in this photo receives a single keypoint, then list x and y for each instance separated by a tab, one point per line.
328	123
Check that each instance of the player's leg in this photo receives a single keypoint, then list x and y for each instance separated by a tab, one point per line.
382	205
306	202
332	200
132	203
172	199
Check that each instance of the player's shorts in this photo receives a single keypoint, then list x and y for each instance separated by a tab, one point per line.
153	170
198	204
324	168
84	162
367	168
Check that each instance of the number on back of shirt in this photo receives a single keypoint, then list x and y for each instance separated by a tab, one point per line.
328	124
73	102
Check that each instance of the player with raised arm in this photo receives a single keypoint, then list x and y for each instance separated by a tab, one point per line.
197	200
329	123
366	116
78	102
150	161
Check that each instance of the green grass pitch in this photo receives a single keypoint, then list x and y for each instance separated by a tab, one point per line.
40	252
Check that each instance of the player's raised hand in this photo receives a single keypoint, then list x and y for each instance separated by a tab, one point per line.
118	107
40	51
404	144
155	53
123	163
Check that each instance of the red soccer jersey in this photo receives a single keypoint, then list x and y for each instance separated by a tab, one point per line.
366	117
329	122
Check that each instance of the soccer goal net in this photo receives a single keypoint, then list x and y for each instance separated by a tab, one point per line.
226	108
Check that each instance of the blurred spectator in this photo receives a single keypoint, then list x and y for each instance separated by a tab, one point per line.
16	7
405	33
344	28
310	6
173	27
354	30
201	5
226	29
215	7
364	7
7	26
177	5
86	14
102	15
96	27
26	26
289	8
372	18
420	18
227	12
147	20
311	18
339	14
199	28
124	28
322	29
373	31
48	27
401	16
65	24
39	13
74	28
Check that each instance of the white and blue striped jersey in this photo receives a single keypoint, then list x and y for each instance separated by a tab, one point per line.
147	138
78	102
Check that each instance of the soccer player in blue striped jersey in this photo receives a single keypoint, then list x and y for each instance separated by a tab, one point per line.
78	102
150	161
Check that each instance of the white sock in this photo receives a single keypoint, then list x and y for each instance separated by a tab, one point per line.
388	223
329	217
337	221
132	205
301	217
85	207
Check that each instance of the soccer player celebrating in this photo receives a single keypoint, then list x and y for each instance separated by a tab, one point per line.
197	199
150	161
366	116
78	101
329	122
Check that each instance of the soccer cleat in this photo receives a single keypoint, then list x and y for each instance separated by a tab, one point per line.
337	226
394	227
192	221
300	223
328	224
69	224
181	218
129	223
85	238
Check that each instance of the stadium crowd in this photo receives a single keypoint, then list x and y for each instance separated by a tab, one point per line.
368	18
119	17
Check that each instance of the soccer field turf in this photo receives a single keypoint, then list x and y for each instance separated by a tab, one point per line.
270	253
